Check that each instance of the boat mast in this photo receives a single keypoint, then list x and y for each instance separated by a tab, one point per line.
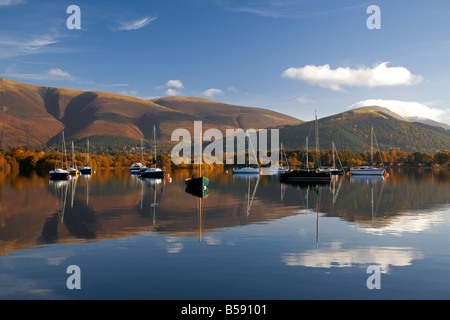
334	160
371	146
142	151
73	157
64	160
154	142
307	160
200	154
317	145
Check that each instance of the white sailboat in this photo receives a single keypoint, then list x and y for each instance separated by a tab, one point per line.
86	169
61	173
279	169
73	170
368	170
248	169
138	167
153	172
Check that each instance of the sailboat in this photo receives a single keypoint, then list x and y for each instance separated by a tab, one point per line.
334	170
307	174
200	182
279	168
138	167
153	172
248	169
86	169
73	170
61	173
368	170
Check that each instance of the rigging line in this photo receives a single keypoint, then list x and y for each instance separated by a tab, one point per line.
379	197
379	152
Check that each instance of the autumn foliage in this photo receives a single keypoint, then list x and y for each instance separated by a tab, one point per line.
27	159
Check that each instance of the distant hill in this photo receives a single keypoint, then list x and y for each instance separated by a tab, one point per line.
351	131
34	115
429	122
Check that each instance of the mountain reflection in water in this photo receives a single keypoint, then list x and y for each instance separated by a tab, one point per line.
113	204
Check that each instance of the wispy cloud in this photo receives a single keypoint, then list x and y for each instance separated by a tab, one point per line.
212	92
13	47
5	3
303	100
128	92
52	74
286	8
379	75
136	24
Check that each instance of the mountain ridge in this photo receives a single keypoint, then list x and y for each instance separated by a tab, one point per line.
35	115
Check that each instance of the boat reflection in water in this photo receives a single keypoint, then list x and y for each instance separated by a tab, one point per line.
249	178
201	194
155	199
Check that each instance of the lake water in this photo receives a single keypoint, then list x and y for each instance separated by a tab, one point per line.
253	239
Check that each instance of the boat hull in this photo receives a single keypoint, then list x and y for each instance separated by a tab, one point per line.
367	171
153	174
246	170
59	175
197	183
305	175
85	170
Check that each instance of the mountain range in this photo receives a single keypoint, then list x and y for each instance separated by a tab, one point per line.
32	115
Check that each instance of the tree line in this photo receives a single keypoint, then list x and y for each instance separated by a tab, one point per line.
25	160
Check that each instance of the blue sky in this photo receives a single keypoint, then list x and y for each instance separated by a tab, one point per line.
292	56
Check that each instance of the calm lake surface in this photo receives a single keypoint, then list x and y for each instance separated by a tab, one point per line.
254	238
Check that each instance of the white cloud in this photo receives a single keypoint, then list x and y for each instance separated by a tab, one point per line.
58	73
173	92
212	92
404	108
174	84
379	75
303	100
136	24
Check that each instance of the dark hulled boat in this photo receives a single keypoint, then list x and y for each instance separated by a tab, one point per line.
306	175
59	174
198	183
155	173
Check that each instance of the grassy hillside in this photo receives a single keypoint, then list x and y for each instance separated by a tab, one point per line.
351	131
34	115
